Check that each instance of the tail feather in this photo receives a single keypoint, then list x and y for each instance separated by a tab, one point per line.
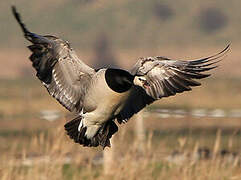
101	138
71	124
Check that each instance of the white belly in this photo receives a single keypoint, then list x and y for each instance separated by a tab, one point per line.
102	103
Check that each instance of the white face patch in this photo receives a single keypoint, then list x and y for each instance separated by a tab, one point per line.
139	80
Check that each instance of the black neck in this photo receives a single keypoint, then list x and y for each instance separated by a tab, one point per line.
119	80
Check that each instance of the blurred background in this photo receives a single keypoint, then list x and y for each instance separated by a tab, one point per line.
194	135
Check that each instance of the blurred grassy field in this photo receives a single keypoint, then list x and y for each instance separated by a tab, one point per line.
32	147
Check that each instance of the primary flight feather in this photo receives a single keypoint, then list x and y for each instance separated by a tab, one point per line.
100	97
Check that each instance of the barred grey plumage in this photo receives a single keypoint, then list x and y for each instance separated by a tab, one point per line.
101	96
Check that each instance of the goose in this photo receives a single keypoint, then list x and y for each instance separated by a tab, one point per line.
101	97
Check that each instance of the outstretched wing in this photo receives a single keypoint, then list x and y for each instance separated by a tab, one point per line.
64	75
162	77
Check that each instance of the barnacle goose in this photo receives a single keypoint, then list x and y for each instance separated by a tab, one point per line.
99	97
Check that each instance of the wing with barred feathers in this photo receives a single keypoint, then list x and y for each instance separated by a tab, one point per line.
163	77
64	75
159	77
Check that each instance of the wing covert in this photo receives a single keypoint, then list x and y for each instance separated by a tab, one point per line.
163	77
157	77
64	75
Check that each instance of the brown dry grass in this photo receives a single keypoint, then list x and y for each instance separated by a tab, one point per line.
52	155
34	148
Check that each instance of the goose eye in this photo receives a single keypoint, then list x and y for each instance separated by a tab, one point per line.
141	79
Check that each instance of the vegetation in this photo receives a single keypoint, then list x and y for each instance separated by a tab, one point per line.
34	147
53	155
104	31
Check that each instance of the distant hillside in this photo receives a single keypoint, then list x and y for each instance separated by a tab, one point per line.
127	23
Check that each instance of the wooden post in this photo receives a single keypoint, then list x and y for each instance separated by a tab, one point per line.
140	131
109	153
108	158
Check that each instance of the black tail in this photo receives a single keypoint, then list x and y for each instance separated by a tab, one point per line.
101	138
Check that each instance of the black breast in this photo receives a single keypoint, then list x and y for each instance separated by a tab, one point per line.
119	80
